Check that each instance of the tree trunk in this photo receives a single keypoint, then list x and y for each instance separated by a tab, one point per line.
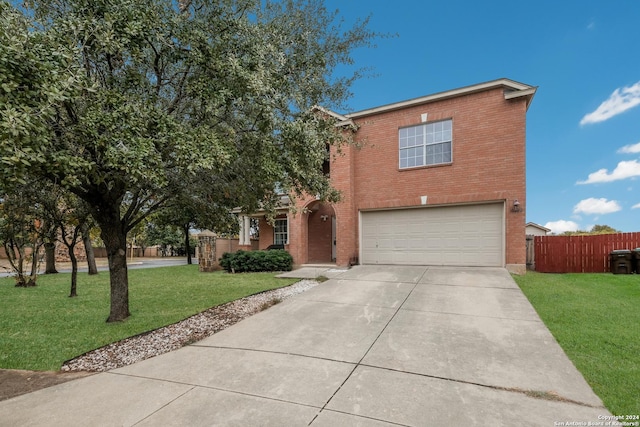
114	236
50	258
187	243
35	262
74	270
16	255
70	240
88	249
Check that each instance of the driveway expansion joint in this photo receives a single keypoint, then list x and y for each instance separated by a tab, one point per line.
208	387
166	404
359	363
358	416
284	353
534	394
474	315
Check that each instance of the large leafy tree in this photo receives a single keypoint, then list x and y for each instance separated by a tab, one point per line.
122	101
21	231
70	216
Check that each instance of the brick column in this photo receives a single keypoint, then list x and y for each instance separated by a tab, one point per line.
207	252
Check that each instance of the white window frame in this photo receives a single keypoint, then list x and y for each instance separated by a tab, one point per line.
416	141
278	233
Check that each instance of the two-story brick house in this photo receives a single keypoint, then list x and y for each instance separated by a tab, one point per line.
436	180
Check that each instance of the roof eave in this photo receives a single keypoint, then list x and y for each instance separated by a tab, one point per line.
513	90
527	93
342	121
533	224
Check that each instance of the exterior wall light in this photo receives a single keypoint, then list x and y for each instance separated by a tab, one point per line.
516	206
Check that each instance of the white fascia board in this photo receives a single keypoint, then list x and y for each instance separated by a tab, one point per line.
516	89
538	226
518	93
347	122
342	120
333	114
284	206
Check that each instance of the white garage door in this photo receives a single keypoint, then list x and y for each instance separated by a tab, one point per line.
469	235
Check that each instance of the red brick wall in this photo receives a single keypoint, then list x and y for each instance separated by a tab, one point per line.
342	178
488	165
319	232
488	160
266	234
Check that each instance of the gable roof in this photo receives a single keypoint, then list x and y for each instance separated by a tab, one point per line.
512	90
533	224
341	120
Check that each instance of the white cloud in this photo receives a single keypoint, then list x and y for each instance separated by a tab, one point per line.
593	206
636	206
620	101
559	227
624	170
631	148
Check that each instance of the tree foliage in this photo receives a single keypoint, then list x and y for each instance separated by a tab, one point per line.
21	231
70	216
168	236
122	102
596	229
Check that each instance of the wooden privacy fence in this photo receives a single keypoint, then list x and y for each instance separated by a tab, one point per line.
580	254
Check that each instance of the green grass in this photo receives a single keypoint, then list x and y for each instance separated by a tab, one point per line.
42	327
596	320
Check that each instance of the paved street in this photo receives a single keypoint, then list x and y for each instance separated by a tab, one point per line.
65	267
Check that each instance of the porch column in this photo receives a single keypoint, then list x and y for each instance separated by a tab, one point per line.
244	236
247	230
241	240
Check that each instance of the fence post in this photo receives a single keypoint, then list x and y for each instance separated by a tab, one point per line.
531	253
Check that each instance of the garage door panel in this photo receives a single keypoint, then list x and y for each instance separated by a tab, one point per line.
458	235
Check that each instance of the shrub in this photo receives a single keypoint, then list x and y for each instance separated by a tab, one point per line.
225	261
254	261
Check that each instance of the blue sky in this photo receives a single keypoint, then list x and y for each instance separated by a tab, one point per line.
583	127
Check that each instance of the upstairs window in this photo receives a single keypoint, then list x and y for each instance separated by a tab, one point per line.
425	144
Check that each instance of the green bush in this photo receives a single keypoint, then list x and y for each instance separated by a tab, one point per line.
254	261
225	261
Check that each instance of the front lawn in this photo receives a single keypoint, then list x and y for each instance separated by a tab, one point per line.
41	327
596	320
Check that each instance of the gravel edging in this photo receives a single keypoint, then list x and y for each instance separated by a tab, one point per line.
171	337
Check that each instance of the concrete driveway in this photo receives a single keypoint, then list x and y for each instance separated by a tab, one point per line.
374	346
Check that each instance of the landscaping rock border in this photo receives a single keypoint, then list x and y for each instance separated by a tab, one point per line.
190	330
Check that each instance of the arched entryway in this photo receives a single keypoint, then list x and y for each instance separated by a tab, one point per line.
321	233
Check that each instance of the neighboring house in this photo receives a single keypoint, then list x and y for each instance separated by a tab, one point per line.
436	180
533	229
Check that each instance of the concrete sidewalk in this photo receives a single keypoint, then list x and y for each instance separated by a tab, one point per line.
375	346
